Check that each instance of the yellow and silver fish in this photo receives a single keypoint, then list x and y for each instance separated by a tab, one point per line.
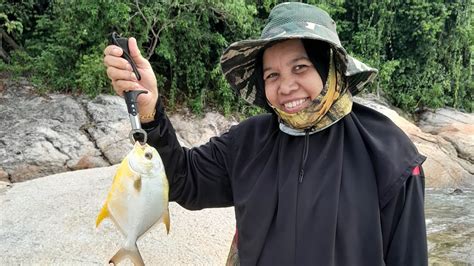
137	200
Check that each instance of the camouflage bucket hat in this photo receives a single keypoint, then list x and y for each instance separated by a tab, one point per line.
290	21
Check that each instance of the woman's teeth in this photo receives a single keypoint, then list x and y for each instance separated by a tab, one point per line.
293	104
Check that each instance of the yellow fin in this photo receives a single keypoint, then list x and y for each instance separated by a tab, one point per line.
104	213
166	220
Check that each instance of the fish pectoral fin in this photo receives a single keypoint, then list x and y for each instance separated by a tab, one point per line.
131	253
166	220
104	213
137	184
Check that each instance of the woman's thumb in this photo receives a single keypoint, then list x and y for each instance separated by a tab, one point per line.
134	51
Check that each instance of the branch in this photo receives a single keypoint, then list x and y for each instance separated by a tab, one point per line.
156	35
151	49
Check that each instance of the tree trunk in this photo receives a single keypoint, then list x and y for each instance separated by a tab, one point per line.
9	40
4	55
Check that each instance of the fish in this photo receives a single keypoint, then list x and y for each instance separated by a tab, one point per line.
137	199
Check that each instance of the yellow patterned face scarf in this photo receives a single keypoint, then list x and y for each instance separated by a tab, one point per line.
327	108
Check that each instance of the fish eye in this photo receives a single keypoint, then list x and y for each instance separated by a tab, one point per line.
148	155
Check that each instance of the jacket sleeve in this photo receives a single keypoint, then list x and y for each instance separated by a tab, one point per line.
403	224
198	177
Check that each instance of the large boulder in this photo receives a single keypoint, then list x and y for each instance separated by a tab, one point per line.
109	126
42	135
455	127
195	130
432	121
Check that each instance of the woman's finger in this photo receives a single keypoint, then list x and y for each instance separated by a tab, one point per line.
119	74
124	85
113	50
117	62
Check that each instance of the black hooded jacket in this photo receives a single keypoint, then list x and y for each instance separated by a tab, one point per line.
352	200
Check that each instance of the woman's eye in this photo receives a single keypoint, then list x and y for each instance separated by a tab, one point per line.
300	68
271	76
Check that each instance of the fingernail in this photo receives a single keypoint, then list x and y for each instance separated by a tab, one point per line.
134	78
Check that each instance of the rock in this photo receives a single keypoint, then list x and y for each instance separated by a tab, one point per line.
456	191
443	168
432	121
110	126
462	138
41	135
51	220
195	130
455	127
3	175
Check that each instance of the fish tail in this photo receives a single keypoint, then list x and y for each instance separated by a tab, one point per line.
104	213
130	252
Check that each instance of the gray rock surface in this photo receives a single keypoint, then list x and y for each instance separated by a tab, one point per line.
195	130
109	126
455	127
42	135
431	121
51	220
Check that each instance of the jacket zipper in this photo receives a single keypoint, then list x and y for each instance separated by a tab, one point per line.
304	156
300	180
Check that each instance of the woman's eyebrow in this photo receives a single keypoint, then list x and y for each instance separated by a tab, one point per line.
303	57
266	69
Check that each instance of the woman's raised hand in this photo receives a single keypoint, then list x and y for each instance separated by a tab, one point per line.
123	79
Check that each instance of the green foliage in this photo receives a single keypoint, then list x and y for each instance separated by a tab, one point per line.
17	16
423	49
22	64
191	62
90	77
223	93
11	26
419	47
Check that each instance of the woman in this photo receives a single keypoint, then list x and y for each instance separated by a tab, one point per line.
319	180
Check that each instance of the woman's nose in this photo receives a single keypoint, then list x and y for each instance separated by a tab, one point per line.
287	84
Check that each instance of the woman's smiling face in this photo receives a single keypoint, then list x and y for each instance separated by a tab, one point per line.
291	81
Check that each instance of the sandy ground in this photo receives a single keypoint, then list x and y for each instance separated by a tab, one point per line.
51	220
